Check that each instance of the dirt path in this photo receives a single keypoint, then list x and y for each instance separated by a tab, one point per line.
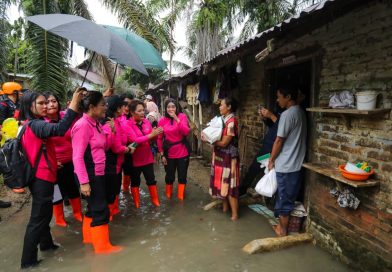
17	202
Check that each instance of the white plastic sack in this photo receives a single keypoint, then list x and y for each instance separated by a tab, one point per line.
267	185
344	99
213	132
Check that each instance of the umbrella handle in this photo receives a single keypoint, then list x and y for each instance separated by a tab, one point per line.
88	68
114	75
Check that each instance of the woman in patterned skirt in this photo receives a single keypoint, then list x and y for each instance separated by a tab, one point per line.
225	166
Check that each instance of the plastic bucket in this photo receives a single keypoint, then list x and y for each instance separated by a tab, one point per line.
366	100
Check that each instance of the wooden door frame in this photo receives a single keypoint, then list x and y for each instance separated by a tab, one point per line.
313	55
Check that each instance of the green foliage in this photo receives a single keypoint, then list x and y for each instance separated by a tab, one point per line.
18	48
134	15
48	57
155	76
4	29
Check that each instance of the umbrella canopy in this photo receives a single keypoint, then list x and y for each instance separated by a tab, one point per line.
150	56
91	36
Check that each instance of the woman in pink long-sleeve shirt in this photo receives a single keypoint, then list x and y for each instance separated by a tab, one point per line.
172	145
89	145
141	133
116	148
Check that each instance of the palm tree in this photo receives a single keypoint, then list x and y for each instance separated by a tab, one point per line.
48	58
209	24
259	15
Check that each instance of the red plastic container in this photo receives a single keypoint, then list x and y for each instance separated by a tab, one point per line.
355	176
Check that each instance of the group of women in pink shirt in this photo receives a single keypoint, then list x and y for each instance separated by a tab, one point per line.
87	152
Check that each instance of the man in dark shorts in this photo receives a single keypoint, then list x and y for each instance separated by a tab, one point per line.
288	153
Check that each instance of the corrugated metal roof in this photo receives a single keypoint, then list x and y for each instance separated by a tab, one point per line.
313	10
310	10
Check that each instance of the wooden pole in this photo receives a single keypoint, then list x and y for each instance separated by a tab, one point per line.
277	243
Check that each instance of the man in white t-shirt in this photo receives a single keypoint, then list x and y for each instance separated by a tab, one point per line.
287	156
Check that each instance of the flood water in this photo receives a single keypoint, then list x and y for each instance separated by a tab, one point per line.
174	237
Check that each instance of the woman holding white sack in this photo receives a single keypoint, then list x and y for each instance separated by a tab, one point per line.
225	165
213	132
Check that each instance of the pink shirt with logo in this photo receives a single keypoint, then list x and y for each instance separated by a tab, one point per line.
117	141
174	132
143	154
89	145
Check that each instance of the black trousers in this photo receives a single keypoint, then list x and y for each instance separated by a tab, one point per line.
97	206
127	164
113	186
38	230
254	170
181	166
68	185
148	173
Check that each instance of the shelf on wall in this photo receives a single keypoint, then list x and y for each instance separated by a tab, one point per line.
349	111
335	174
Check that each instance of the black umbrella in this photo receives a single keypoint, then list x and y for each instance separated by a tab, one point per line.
91	36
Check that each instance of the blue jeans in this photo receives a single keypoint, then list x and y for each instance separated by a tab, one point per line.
288	188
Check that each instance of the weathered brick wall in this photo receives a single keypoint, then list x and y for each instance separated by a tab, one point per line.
357	55
249	94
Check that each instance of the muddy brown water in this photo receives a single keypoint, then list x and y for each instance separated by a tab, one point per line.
174	237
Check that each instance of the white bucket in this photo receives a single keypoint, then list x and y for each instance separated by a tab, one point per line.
366	100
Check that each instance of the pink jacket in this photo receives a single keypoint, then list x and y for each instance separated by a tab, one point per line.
174	132
63	144
116	142
32	140
143	154
89	145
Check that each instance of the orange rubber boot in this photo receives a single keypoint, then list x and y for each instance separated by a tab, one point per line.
86	229
169	191
136	196
154	195
126	181
111	208
116	208
101	242
181	191
58	213
76	208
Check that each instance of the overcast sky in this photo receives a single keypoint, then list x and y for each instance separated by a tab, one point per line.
104	16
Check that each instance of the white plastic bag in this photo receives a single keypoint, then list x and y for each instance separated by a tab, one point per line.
267	185
213	132
343	99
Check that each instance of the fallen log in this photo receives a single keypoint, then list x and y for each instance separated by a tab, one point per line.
242	202
277	243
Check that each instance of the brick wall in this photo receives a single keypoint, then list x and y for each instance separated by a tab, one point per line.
357	55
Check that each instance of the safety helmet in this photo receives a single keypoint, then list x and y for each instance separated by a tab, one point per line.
11	87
